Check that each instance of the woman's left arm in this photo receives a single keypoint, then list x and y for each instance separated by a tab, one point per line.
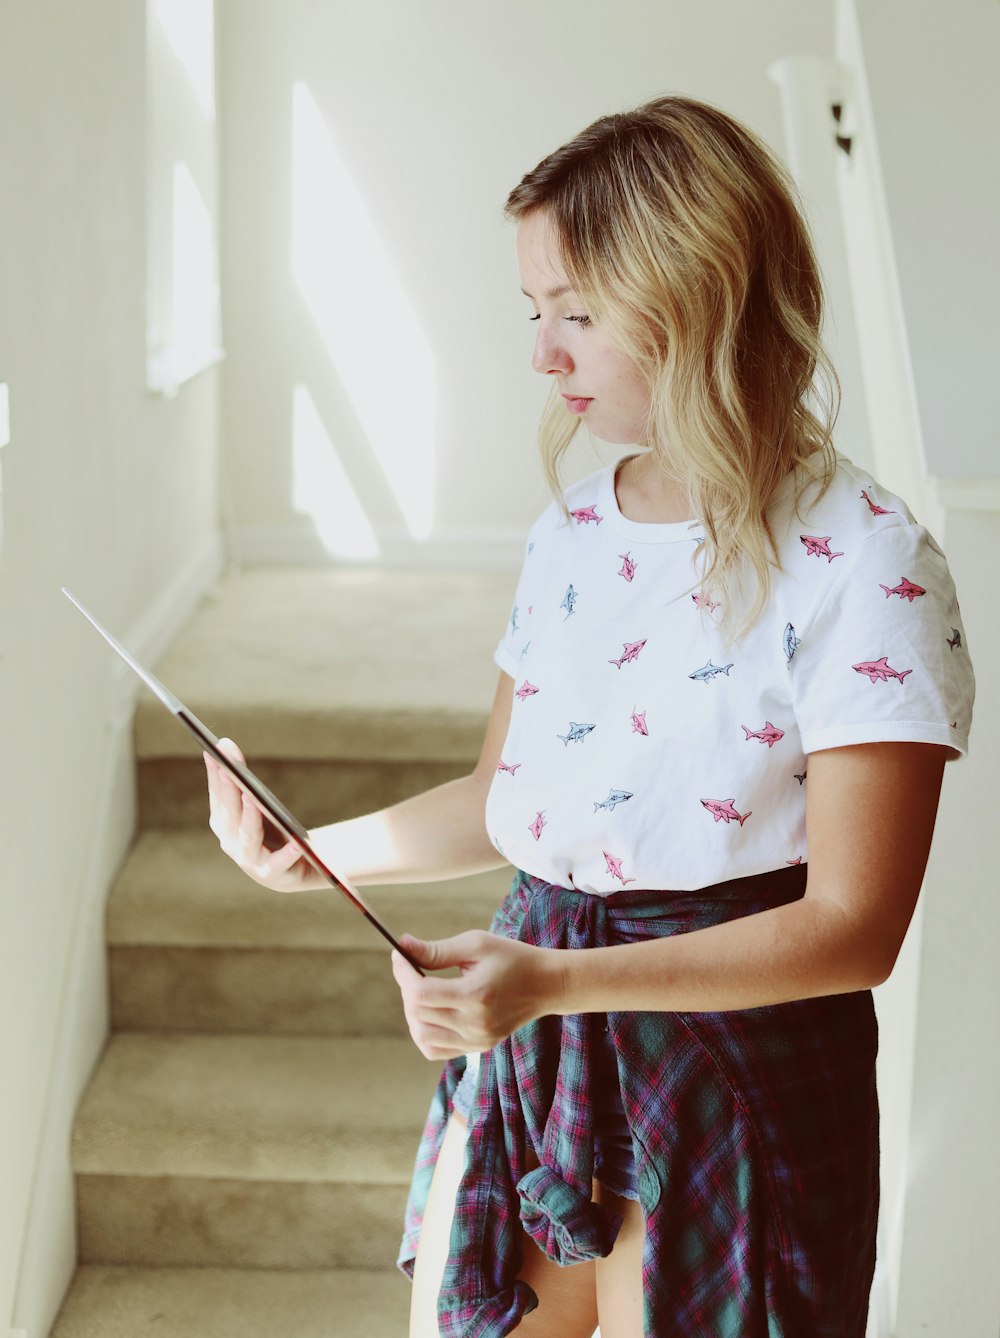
870	811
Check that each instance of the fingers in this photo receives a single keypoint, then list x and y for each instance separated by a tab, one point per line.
224	795
461	950
278	862
443	1022
239	825
233	816
251	830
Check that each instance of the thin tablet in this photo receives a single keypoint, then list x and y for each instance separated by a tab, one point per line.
270	805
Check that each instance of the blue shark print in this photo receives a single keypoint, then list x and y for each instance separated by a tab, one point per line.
569	601
710	671
576	731
513	620
614	798
531	546
524	649
791	642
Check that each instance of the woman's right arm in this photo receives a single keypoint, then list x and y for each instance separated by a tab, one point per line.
435	835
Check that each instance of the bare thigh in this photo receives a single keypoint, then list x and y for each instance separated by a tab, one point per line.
619	1276
569	1293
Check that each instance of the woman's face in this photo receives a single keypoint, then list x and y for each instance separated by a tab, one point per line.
598	382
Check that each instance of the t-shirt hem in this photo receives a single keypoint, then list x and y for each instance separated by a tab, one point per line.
885	731
504	660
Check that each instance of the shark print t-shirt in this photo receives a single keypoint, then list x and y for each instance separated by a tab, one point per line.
645	750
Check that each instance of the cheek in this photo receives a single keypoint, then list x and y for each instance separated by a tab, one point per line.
635	395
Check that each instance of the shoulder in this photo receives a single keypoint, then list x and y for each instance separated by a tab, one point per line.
583	500
852	521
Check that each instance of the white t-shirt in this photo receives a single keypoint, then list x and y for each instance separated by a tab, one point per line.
644	751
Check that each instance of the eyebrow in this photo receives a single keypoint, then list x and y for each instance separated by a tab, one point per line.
560	291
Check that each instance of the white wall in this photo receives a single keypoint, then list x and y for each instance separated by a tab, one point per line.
935	97
922	102
438	109
108	490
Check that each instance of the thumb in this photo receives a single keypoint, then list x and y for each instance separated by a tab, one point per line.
436	954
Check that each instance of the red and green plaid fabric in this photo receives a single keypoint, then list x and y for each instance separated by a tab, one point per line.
755	1134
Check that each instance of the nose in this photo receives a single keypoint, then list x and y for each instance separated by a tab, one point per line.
550	356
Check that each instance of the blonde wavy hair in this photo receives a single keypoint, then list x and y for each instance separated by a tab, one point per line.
680	232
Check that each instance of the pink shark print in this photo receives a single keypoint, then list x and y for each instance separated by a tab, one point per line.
525	690
722	810
770	734
509	769
905	590
880	671
639	722
536	827
583	515
627	567
630	652
796	860
874	508
818	546
705	602
615	869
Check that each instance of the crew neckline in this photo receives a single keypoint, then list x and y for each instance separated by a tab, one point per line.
653	532
644	531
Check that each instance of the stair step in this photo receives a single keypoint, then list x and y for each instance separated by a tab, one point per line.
178	888
342	663
233	1303
272	1152
182	1222
172	790
297	1108
195	945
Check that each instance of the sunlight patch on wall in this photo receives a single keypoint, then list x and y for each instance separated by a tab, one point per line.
190	29
371	332
194	273
321	489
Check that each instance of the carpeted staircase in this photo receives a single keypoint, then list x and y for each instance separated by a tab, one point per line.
243	1150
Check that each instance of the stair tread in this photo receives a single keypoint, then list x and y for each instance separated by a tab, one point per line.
178	888
121	1302
275	1108
318	663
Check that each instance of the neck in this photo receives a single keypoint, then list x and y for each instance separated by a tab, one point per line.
646	493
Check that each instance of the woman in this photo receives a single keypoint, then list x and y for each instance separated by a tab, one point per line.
733	674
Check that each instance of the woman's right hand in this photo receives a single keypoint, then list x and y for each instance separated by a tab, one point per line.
239	825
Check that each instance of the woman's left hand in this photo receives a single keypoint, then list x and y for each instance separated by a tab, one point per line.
504	985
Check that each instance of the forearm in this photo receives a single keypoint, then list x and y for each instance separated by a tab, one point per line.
435	835
802	950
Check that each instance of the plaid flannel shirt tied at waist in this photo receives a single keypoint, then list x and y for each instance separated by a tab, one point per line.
704	1105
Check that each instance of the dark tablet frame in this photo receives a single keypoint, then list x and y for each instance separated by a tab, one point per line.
269	804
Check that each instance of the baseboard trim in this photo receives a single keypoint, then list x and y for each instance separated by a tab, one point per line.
499	549
151	634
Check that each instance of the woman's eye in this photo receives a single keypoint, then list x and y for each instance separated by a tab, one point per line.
580	320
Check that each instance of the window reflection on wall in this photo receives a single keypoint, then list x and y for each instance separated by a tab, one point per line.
184	324
368	326
321	488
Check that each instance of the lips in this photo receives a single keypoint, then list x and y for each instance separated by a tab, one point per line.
578	403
